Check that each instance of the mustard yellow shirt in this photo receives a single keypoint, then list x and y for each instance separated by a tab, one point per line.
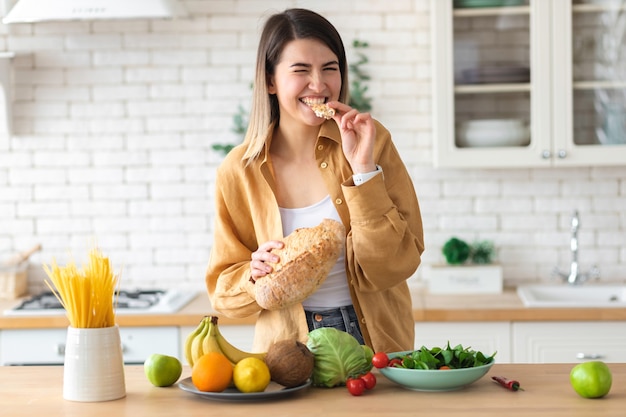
384	241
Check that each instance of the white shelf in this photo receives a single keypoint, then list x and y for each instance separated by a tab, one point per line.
491	88
491	11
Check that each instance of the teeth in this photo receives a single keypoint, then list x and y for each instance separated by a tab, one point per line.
313	101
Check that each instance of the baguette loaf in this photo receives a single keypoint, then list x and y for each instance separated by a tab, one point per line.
306	259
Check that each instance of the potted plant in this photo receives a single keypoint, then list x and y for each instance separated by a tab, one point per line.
469	269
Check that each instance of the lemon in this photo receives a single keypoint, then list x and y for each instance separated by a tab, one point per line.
591	379
251	375
162	370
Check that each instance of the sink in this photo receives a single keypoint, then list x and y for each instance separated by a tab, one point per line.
573	296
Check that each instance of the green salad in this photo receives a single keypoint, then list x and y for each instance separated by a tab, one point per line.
456	357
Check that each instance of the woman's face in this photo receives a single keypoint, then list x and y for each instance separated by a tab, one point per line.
307	72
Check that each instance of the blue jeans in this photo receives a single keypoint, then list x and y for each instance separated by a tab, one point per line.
342	318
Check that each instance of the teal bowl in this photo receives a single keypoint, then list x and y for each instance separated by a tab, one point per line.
432	379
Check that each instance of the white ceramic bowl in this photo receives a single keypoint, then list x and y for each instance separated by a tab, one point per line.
493	133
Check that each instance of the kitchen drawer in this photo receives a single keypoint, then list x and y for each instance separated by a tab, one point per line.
568	342
47	346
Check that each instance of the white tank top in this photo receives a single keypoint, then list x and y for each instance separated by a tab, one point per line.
334	291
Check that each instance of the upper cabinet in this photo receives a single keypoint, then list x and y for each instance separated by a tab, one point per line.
529	83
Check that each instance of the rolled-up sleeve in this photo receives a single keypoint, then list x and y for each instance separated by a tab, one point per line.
386	241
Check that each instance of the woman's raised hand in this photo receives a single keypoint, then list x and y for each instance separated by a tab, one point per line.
358	133
258	266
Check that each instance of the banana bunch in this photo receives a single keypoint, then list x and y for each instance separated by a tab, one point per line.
207	338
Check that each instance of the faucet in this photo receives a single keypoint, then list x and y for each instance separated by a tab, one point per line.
574	277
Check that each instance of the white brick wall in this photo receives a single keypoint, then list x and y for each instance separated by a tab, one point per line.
114	121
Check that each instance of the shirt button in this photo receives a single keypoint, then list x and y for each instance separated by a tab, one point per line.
318	317
324	165
338	201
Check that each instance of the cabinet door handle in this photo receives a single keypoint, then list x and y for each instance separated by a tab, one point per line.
546	154
583	355
562	153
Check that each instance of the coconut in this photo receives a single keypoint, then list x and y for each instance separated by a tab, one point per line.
290	362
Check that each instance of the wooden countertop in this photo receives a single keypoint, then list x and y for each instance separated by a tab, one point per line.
501	307
33	391
426	307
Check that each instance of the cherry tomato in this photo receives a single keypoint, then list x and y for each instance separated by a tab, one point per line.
444	368
380	360
356	386
369	379
395	361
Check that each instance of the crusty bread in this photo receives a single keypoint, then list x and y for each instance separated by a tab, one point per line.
306	259
322	110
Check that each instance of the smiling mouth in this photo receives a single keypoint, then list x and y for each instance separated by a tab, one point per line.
313	101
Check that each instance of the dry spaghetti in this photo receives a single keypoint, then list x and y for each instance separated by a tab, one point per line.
86	295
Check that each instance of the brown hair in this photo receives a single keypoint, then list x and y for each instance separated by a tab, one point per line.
280	29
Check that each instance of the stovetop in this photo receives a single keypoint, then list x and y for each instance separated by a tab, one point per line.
139	301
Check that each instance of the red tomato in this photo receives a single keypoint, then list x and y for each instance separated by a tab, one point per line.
395	361
380	360
356	386
369	379
444	368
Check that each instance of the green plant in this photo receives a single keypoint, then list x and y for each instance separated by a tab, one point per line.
457	252
240	125
358	78
482	252
358	97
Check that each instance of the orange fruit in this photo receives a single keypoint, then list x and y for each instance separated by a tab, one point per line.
212	372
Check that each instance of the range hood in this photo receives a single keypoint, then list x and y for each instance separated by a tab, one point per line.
29	11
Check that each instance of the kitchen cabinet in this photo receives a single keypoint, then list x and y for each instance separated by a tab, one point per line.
486	337
555	67
532	341
47	346
6	66
567	342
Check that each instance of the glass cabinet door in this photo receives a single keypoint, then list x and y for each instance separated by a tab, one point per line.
592	93
529	83
491	75
495	96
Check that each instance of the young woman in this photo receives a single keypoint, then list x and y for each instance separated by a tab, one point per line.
293	170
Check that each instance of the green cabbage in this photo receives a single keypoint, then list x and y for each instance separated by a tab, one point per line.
338	355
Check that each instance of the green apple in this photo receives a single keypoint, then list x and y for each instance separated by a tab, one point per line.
591	379
162	370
